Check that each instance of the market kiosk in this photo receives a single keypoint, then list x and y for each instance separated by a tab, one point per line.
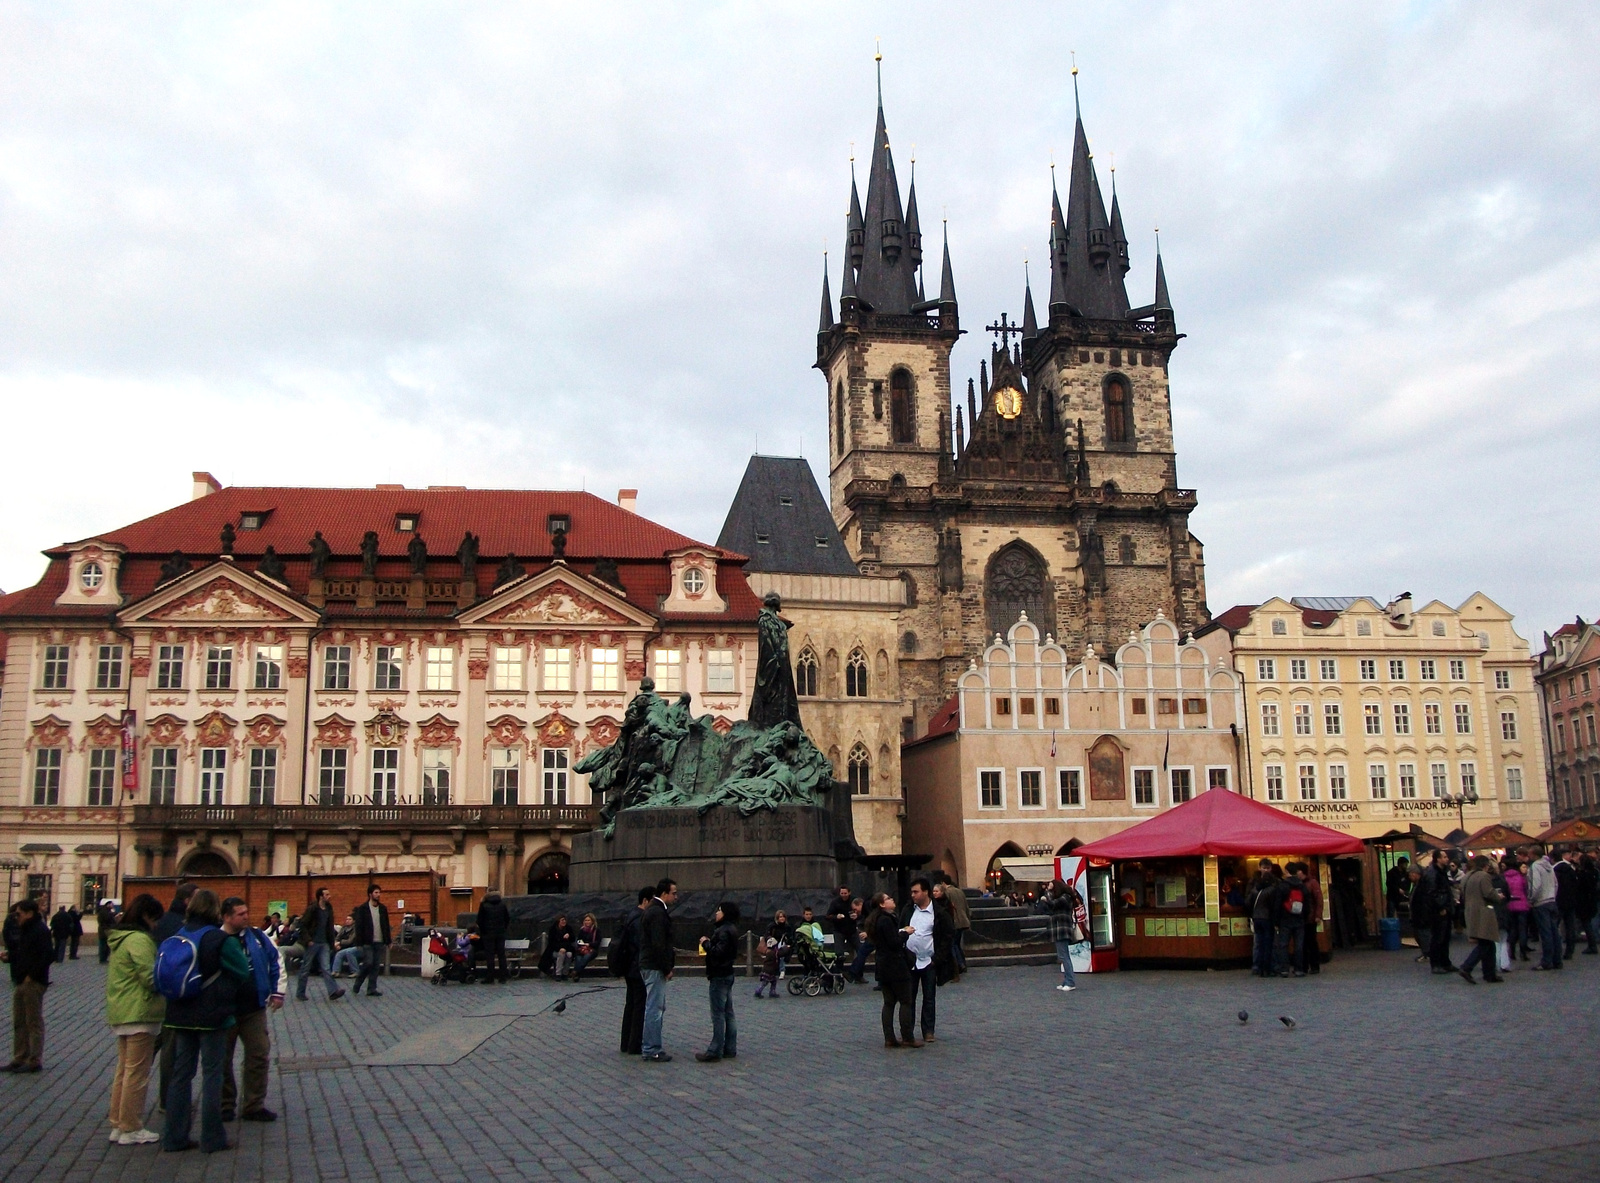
1178	881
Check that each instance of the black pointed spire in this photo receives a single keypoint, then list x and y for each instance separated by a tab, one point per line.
1030	322
888	275
983	378
947	279
961	434
913	226
1084	278
972	407
1119	238
826	323
1163	302
854	231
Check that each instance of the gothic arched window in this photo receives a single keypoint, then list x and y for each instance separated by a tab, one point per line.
1017	582
838	417
1119	410
902	421
855	675
860	771
805	674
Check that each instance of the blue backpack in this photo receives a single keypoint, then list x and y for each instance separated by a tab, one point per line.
178	965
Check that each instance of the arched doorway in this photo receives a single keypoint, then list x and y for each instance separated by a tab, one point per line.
997	878
206	863
547	874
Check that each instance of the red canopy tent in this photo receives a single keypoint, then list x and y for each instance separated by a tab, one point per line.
1221	822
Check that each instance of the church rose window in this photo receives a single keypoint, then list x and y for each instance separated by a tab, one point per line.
1017	584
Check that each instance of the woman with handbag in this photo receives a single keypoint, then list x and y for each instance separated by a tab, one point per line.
1060	904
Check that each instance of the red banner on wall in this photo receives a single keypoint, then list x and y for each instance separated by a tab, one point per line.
130	750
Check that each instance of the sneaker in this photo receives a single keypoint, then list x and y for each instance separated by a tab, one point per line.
928	1038
116	1134
1063	986
138	1138
1066	989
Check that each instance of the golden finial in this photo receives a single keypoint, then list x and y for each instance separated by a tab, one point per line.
1074	62
913	153
878	55
852	151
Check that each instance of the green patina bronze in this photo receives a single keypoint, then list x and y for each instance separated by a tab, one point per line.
664	757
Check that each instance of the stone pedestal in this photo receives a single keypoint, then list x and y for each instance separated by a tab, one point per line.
788	848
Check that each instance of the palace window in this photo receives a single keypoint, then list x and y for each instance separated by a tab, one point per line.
108	668
507	668
1302	718
1502	679
47	776
1052	706
1308	782
805	674
1297	669
1431	724
1458	670
694	581
1144	786
902	414
605	670
169	667
385	776
1406	775
1469	780
336	667
1508	724
103	776
1439	777
855	675
1402	718
1464	720
213	776
1266	669
1119	412
387	666
269	667
1216	778
1328	669
91	892
1069	782
505	771
1140	707
719	671
1269	718
263	776
1372	717
1338	789
991	789
219	667
669	671
163	776
1002	706
1181	782
440	671
1513	784
1332	720
860	771
435	776
1397	669
1369	669
333	767
557	670
1429	669
1274	779
1030	788
1561	736
554	762
1378	782
55	667
1588	721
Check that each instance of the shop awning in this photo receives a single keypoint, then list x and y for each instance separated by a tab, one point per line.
1496	837
1577	830
1029	870
1221	822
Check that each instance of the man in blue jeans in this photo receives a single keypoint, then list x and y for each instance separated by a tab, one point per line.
316	931
655	966
1542	904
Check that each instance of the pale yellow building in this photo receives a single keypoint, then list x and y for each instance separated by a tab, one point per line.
1371	718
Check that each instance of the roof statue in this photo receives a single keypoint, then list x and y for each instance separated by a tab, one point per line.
666	758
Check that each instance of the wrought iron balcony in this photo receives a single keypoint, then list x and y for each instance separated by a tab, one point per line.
378	817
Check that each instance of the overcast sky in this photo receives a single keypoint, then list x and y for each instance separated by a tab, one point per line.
581	245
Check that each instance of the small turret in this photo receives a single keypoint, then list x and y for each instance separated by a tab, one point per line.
855	228
947	287
913	226
825	324
1163	305
1030	322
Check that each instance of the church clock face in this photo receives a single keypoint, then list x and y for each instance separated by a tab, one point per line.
1008	401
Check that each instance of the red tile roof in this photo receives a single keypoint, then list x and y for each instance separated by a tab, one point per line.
506	521
945	721
1238	616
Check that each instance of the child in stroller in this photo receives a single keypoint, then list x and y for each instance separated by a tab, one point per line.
455	958
820	973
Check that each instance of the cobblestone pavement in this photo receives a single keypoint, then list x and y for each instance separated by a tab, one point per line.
1134	1076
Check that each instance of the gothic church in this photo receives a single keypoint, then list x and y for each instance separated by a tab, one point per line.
1054	489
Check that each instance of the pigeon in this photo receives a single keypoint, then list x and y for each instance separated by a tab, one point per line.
561	1005
1244	1016
1286	1021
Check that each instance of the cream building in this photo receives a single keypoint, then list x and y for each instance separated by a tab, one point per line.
1371	718
1039	748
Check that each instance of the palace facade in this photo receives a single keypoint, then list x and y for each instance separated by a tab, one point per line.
1569	693
283	680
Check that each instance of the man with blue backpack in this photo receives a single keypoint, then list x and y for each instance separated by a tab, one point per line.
199	971
263	992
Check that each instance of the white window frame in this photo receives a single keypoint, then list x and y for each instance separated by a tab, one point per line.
1174	774
1022	801
721	672
1000	786
1458	669
333	776
1378	782
508	668
439	672
101	786
1063	775
1467	777
555	669
1299	669
108	667
1155	787
1302	719
1508	725
1372	718
605	670
667	665
1305	776
1328	669
1369	669
47	767
1502	679
263	784
1463	718
56	669
436	763
385	767
1271	720
505	776
213	776
555	775
164	765
1432	719
1405	778
1272	782
1439	778
268	668
388	669
219	667
169	667
1332	718
1428	669
1397	669
1514	787
1402	718
1338	782
1266	669
336	668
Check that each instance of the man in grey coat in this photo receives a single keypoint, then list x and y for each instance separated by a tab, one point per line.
1479	897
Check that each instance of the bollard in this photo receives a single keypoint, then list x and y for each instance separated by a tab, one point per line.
750	954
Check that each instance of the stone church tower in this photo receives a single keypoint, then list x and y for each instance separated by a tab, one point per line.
1054	489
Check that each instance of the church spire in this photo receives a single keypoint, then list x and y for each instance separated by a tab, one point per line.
972	407
1119	238
947	279
888	275
826	323
1030	322
1163	304
855	232
913	226
1090	285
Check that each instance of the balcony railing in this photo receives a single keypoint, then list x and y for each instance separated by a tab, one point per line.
387	817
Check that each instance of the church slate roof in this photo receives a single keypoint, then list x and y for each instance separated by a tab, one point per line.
778	501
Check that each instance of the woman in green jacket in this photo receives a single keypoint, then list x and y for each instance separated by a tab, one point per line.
135	1011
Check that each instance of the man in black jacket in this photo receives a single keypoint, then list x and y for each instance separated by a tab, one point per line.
316	935
627	937
372	937
494	920
30	952
75	933
174	919
721	949
656	959
1264	899
1437	900
61	932
844	925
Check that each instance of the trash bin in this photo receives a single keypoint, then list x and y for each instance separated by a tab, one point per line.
1389	934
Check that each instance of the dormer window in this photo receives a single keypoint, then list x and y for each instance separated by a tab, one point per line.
762	539
91	576
694	581
785	500
822	540
406	523
253	519
558	521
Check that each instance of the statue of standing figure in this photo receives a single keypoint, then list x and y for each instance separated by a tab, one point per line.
774	700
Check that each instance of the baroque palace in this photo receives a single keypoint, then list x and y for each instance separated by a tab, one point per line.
284	680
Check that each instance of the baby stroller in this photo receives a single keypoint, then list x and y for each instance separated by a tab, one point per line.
820	969
454	965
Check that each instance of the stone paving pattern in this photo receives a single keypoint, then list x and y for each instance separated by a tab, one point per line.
1145	1075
